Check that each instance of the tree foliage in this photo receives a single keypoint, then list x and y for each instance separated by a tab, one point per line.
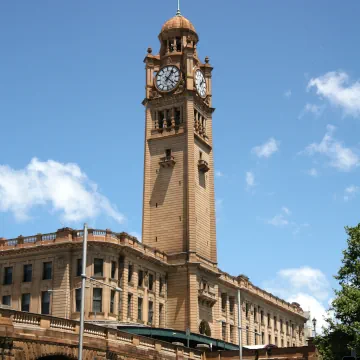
343	331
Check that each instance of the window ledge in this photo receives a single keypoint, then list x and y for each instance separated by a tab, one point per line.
98	277
100	313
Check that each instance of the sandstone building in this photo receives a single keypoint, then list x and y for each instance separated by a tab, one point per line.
171	279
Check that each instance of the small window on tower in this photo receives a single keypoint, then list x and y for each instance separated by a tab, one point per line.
171	45
161	119
178	44
177	116
200	155
168	153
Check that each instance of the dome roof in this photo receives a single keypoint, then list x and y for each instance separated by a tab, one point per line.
178	22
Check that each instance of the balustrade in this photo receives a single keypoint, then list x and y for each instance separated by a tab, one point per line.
29	319
62	324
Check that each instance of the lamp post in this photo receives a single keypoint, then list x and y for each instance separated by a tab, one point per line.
239	324
314	324
83	284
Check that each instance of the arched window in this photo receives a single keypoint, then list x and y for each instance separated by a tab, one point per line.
204	328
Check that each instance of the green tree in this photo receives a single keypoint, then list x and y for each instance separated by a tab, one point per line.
343	331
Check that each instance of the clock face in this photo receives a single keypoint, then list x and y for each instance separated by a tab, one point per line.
167	78
200	83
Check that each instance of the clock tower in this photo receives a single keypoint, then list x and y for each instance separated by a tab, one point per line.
178	198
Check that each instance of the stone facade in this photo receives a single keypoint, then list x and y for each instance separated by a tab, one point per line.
26	336
172	278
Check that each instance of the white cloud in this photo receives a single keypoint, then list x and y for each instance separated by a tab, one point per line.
267	149
350	192
62	187
336	88
341	157
313	172
305	285
314	109
308	278
219	204
316	308
286	210
288	93
250	179
280	220
218	173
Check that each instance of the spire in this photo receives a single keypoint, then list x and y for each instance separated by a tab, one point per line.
178	13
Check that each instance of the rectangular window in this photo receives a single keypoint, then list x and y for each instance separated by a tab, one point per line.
223	302
262	317
281	325
130	272
140	278
45	303
97	300
275	324
276	341
112	302
269	339
6	300
161	285
8	271
129	306
247	311
78	300
151	282
113	269
140	304
247	336
47	270
25	302
161	315
98	267
27	273
231	305
223	330
256	337
263	338
282	343
287	328
151	312
255	314
269	320
121	267
232	333
78	267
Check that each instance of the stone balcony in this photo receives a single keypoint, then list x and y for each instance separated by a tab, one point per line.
203	166
167	161
207	296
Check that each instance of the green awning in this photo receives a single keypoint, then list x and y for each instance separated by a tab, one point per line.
171	335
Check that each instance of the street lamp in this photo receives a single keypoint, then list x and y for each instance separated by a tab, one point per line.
314	324
239	324
83	284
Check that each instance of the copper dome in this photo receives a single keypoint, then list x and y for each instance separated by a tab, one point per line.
178	22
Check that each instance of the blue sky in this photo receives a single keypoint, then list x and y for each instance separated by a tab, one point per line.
286	144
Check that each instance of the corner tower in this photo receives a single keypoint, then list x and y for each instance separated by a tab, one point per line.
178	199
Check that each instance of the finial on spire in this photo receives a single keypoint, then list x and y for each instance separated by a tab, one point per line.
178	13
